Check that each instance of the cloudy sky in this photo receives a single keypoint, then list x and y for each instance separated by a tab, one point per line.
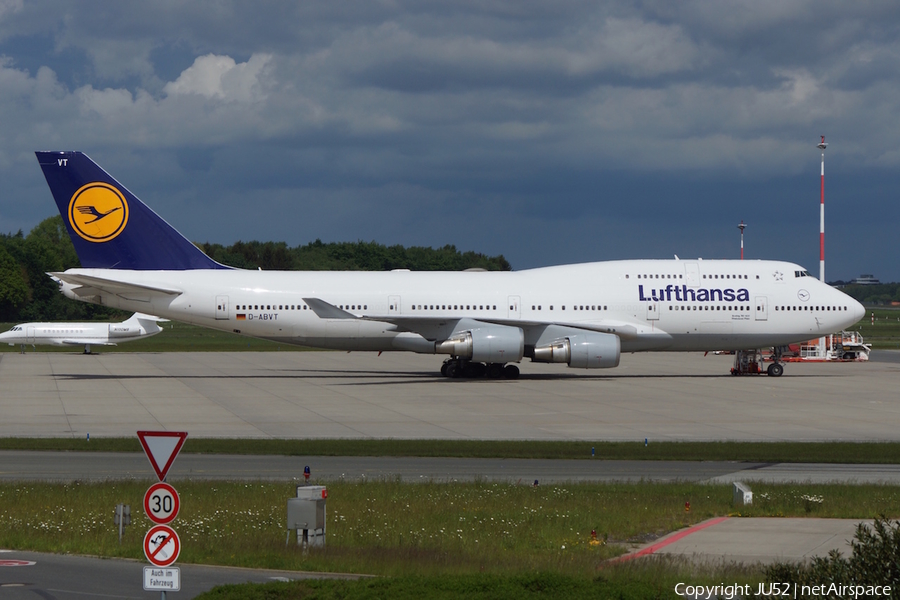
548	132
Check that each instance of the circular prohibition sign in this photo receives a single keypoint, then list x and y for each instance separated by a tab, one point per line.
161	545
161	503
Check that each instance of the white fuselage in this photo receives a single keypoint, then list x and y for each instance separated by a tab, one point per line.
667	305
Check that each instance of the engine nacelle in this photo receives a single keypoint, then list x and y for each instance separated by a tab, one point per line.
488	344
582	351
126	329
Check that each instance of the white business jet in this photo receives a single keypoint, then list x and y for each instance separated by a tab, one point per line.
82	334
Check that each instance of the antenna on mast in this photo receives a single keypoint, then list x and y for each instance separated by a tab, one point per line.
742	226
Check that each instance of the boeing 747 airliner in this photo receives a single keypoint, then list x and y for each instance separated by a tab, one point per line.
583	315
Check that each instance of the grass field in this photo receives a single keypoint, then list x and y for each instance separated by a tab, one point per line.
176	337
884	333
391	528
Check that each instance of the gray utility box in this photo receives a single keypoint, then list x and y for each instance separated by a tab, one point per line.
306	514
742	494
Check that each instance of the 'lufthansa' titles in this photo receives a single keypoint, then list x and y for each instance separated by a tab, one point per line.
682	293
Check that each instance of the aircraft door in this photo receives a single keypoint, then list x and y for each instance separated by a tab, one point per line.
653	311
29	335
692	274
515	308
393	305
221	308
762	308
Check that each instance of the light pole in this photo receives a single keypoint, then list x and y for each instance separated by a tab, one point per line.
742	226
822	145
823	350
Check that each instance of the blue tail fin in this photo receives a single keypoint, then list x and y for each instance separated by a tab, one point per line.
109	226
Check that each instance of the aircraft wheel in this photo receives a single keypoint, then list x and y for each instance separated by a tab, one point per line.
453	370
444	369
495	370
775	370
511	372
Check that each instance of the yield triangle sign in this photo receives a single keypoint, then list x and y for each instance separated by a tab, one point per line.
161	447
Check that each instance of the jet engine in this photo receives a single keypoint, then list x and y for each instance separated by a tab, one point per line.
488	344
126	329
586	350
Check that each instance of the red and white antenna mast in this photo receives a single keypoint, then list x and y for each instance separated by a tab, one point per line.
742	226
822	145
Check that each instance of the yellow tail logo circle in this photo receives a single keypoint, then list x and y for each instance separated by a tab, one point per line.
98	212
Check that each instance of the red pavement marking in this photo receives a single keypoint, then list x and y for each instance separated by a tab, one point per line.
671	539
16	563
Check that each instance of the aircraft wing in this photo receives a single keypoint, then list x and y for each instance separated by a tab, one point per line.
89	342
440	328
89	285
436	328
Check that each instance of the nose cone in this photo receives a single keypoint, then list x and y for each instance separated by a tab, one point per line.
857	310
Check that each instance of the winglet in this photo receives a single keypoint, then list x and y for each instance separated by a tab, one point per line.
324	310
109	226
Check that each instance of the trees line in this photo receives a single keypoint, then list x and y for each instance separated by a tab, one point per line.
28	294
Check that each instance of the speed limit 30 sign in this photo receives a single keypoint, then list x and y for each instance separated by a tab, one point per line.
161	503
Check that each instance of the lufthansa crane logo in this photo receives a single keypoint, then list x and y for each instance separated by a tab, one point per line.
98	212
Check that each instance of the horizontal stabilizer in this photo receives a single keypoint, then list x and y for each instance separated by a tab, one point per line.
142	317
111	286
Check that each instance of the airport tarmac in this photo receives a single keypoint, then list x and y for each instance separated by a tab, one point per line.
361	395
659	396
67	577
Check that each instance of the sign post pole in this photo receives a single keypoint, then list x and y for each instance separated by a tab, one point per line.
161	503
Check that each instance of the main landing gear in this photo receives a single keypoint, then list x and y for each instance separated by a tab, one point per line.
776	369
455	368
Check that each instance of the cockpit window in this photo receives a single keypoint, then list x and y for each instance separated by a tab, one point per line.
802	274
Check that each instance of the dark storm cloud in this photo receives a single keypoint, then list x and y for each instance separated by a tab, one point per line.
548	132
